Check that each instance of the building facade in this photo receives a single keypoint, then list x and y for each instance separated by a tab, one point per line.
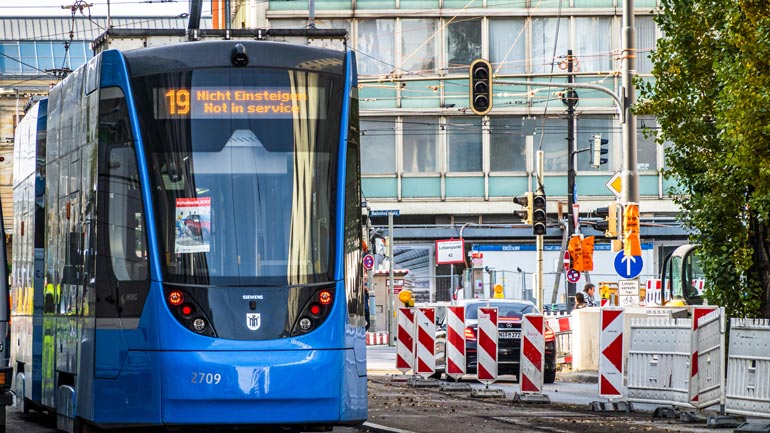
452	174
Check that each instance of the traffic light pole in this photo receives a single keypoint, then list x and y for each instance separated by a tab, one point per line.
570	101
391	286
539	238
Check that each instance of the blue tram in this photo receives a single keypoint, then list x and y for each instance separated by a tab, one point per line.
187	247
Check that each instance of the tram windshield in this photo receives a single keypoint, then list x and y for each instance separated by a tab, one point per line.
683	274
242	164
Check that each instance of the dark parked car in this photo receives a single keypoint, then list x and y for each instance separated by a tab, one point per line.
509	315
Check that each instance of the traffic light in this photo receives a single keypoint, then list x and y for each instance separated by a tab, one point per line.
526	202
538	213
599	149
610	224
631	239
480	75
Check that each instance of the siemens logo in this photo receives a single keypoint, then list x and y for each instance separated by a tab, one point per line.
252	297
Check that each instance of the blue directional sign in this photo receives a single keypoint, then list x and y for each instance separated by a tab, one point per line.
377	213
628	267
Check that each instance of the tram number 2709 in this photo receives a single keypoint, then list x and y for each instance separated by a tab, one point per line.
207	378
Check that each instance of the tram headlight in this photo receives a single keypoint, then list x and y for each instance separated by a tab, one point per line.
305	324
199	324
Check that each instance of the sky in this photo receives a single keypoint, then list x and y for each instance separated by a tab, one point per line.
53	8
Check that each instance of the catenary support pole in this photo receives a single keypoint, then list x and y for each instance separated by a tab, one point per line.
570	101
629	175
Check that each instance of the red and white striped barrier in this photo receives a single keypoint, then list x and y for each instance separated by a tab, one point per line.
561	325
611	352
532	360
653	295
486	369
405	344
426	342
455	347
376	338
695	382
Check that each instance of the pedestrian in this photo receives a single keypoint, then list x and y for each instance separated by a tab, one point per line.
580	301
588	294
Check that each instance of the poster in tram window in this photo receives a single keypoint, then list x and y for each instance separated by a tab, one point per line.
193	225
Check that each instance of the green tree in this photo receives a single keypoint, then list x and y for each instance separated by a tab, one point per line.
711	95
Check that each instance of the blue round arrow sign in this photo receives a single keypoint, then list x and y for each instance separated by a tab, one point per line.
628	267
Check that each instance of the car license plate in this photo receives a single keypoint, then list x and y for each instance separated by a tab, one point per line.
510	334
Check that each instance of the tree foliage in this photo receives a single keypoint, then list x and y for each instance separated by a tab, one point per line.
711	95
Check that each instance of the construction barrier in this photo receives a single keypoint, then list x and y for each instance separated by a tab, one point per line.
405	343
561	325
532	359
653	294
706	372
611	352
748	368
678	361
455	342
426	342
659	361
486	369
376	338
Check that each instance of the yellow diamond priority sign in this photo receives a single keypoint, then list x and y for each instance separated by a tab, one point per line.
615	185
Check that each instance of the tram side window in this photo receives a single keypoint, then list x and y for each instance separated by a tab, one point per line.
353	222
123	273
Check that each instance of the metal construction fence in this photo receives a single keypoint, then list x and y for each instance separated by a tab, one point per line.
681	362
748	368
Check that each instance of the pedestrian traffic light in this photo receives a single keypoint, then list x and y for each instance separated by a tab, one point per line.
480	76
526	202
538	213
610	224
599	149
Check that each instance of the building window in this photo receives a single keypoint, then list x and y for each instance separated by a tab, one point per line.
507	49
550	138
463	43
592	49
375	47
9	58
420	148
544	34
418	46
645	42
61	57
28	58
378	145
587	127
464	152
646	147
507	147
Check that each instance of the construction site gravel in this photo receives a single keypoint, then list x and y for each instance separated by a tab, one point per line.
395	406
